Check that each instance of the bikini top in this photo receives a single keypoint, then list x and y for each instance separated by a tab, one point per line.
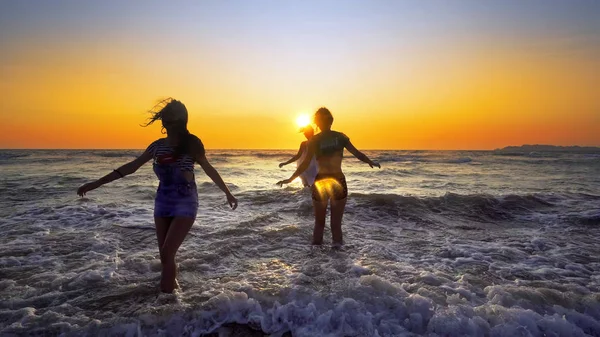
164	154
328	143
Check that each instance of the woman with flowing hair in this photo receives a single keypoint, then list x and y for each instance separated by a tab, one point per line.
176	202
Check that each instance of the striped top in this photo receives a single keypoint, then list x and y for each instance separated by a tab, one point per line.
163	154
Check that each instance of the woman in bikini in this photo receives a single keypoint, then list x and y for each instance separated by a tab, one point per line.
176	202
330	183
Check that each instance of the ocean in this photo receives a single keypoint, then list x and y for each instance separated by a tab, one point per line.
438	243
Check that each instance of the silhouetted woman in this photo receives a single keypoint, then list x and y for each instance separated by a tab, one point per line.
308	176
176	201
330	183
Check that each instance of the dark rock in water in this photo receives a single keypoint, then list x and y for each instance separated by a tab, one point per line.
240	330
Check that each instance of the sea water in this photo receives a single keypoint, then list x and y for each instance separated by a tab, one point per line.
448	243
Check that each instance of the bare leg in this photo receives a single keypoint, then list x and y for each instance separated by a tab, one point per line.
162	227
175	236
337	212
320	213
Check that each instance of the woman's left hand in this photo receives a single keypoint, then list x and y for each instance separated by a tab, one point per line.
232	201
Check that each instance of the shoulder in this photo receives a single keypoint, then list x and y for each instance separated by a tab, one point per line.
341	135
155	144
315	138
194	139
160	141
337	134
195	143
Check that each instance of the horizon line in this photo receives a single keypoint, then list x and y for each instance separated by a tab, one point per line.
294	149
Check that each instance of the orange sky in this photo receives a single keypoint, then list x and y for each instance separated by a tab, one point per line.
462	91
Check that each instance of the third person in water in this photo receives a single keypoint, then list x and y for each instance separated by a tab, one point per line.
327	147
308	176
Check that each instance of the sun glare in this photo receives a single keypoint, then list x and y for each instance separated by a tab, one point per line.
303	120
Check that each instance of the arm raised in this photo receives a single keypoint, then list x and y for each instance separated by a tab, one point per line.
361	156
122	171
296	157
301	168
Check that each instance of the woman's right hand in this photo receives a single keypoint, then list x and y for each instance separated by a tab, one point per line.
281	182
233	203
81	191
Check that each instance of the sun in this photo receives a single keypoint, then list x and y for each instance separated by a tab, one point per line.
303	120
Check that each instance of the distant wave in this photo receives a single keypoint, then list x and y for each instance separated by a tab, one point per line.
269	154
247	153
220	154
116	154
479	207
586	218
532	154
12	155
398	158
459	160
422	159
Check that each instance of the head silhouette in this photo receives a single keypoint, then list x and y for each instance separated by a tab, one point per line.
323	118
308	131
174	117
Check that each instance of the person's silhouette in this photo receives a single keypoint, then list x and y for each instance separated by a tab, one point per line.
176	201
308	176
330	183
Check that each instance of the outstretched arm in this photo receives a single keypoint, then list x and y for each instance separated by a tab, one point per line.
122	171
212	173
296	157
361	156
301	168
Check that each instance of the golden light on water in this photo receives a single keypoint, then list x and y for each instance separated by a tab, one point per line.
303	120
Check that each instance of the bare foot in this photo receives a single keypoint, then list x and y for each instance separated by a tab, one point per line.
167	298
337	245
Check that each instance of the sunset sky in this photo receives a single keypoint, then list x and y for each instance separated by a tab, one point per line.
395	74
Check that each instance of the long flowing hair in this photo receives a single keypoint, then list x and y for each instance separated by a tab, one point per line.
169	106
